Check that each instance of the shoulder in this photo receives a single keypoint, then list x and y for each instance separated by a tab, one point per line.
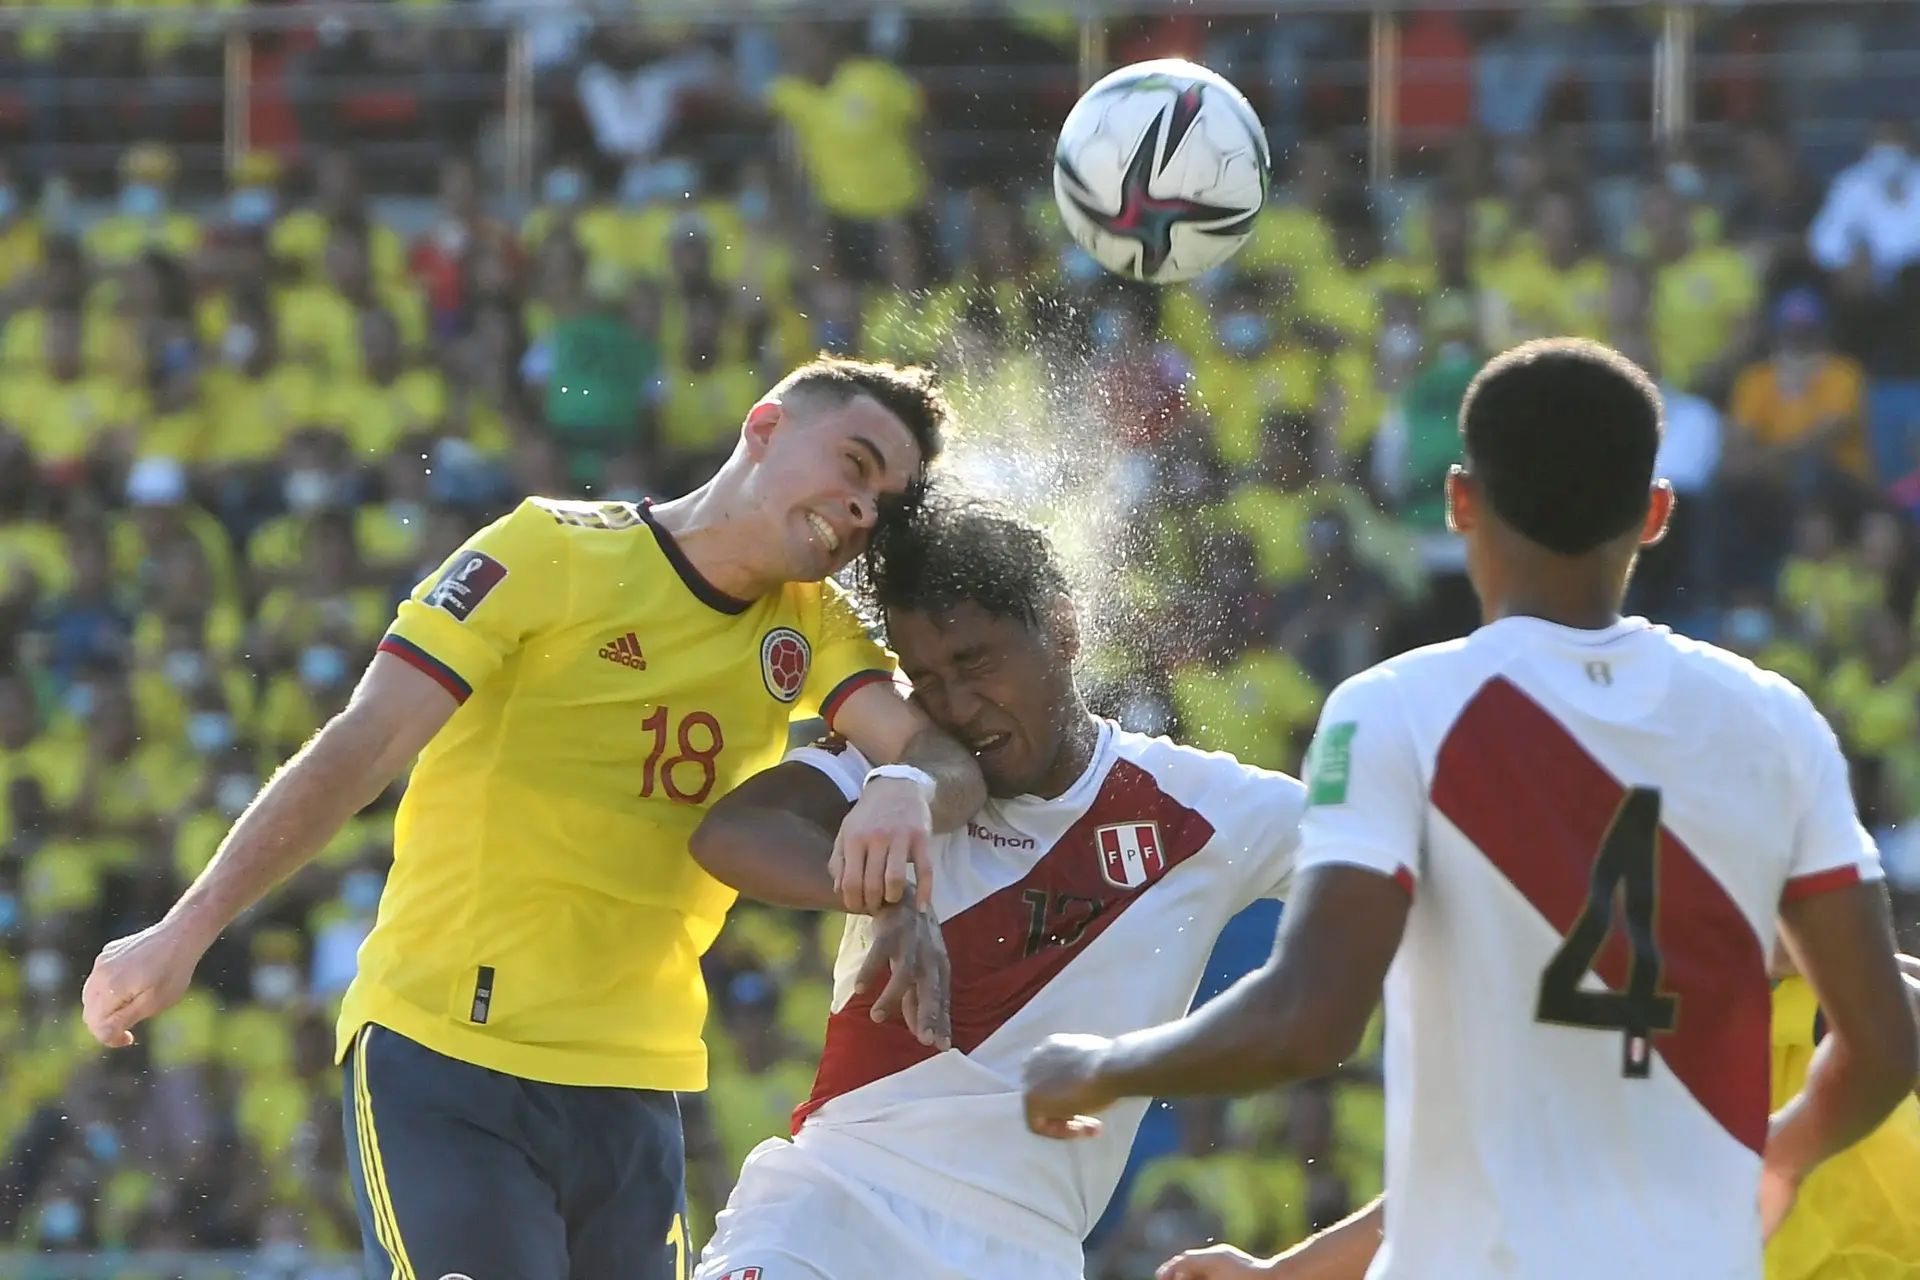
826	610
1431	667
1215	783
1784	705
569	513
578	533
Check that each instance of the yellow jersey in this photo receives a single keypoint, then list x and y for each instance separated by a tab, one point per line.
542	917
1858	1216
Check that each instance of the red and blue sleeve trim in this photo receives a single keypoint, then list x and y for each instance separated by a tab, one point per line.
1819	882
831	704
419	659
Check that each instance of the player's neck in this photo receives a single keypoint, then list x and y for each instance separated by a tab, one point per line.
1581	605
723	544
1071	760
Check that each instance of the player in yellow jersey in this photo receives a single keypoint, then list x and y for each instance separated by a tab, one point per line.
580	681
1856	1217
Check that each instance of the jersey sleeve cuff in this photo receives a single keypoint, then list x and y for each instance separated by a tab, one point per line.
847	770
1815	883
419	659
831	704
1392	868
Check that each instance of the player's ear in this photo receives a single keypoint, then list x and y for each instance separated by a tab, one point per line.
1462	514
757	430
1660	502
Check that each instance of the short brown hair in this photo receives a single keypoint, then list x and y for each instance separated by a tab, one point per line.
909	392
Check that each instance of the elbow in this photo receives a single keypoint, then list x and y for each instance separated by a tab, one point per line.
1906	1063
1307	1043
707	845
1887	1065
1307	1056
713	844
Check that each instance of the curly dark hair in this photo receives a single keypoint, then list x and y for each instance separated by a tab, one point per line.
953	547
1562	433
910	393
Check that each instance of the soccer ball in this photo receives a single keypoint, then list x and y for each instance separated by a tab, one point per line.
1160	171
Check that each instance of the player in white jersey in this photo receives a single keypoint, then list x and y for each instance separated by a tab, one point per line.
1088	893
1563	843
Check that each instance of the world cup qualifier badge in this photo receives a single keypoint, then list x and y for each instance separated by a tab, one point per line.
467	581
784	658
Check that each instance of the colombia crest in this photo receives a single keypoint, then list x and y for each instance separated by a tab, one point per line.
784	659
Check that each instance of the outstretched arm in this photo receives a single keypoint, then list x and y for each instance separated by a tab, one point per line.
1305	1012
394	712
1300	1016
1341	1252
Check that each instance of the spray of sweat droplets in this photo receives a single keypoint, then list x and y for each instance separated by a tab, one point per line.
1038	431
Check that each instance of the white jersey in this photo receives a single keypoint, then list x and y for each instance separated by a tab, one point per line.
1094	912
1598	829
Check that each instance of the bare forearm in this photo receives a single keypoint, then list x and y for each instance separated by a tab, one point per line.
1236	1044
1846	1097
959	790
302	808
772	856
1343	1251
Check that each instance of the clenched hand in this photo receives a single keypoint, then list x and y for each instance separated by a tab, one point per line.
1063	1086
135	978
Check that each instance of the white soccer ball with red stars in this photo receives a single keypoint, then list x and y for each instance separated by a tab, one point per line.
1160	171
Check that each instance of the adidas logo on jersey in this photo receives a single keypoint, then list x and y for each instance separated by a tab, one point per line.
625	650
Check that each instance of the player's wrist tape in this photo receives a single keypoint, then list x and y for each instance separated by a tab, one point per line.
909	773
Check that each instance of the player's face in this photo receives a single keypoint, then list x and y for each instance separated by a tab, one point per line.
996	685
821	472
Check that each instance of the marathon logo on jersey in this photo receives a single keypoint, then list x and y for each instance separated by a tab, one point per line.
1130	853
466	583
744	1273
988	836
784	658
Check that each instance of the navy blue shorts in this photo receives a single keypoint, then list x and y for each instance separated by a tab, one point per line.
459	1171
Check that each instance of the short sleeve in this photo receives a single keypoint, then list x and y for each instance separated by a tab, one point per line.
1277	801
846	657
1831	849
508	582
839	759
1366	802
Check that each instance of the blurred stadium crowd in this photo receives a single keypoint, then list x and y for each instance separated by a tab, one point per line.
237	426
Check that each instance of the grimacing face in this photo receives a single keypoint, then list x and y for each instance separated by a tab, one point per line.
820	472
1001	688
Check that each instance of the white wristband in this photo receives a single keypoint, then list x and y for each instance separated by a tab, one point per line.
908	772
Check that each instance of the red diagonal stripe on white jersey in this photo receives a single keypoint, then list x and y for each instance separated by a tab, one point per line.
1518	784
993	977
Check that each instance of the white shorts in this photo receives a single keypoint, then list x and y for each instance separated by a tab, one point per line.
791	1218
